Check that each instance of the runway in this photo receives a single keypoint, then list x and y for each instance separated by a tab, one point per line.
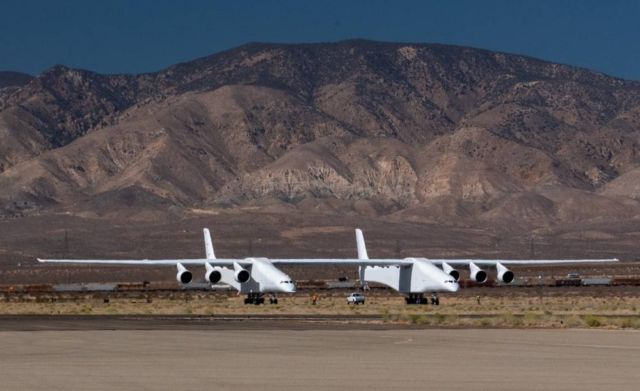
187	322
317	358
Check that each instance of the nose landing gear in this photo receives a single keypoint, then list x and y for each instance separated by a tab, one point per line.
418	298
254	298
258	298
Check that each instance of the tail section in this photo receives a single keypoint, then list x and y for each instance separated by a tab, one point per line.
208	244
362	249
362	254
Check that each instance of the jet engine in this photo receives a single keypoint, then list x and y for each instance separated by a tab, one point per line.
504	274
477	274
450	271
241	274
213	274
184	276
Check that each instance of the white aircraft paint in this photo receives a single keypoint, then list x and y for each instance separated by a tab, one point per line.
408	275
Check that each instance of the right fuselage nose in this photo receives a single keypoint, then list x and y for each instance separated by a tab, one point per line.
288	286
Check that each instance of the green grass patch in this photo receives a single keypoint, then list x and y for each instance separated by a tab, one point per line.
593	321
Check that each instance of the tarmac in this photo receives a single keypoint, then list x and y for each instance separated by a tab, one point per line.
129	353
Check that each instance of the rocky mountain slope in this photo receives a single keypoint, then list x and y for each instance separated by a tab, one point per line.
412	132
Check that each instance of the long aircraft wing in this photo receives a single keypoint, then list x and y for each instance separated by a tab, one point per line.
327	261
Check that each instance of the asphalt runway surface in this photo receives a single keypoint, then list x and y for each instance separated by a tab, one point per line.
129	353
186	322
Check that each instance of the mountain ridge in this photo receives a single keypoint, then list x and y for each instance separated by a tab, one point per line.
449	132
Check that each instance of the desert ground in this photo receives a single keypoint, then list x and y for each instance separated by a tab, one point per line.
313	359
513	307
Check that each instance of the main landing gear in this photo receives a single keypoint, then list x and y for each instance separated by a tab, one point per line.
258	298
418	298
254	298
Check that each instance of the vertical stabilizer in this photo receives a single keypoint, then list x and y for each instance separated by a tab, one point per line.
208	245
362	249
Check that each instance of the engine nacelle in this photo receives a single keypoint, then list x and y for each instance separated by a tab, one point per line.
213	274
241	274
505	275
184	276
450	271
477	274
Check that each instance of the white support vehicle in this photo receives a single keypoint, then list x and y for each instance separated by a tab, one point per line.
355	298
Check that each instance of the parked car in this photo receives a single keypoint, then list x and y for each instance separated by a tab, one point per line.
355	298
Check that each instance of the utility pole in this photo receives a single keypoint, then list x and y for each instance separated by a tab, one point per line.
398	248
532	249
67	251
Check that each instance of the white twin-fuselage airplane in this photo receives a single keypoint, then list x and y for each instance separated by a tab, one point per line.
411	276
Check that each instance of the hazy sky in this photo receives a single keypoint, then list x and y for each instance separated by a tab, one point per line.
116	36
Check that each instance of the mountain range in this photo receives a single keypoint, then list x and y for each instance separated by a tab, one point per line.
422	133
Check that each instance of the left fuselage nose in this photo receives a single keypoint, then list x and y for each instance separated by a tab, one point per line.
433	278
451	286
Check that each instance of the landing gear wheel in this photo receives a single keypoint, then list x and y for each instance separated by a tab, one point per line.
416	298
254	298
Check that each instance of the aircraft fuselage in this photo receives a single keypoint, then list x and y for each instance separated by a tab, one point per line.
419	277
265	278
